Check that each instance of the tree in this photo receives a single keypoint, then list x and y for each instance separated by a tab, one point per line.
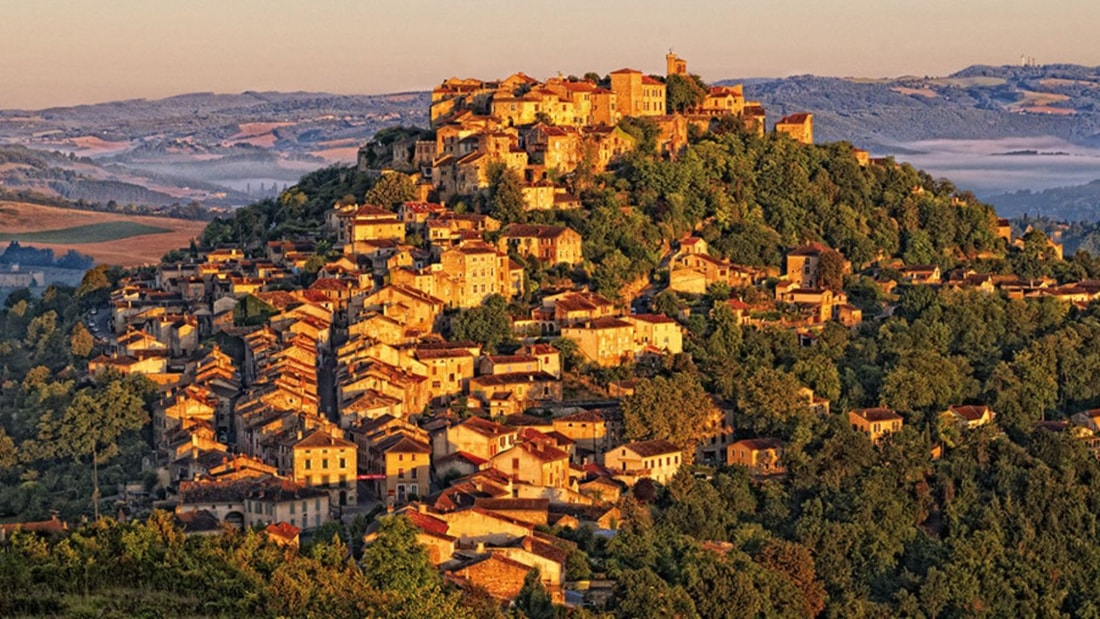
8	451
642	594
676	409
534	600
488	325
505	199
392	189
95	282
397	565
92	423
795	563
81	343
684	92
830	270
667	302
771	404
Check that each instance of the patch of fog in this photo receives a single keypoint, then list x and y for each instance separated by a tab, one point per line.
261	187
986	167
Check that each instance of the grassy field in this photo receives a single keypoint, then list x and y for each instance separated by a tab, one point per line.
90	233
110	238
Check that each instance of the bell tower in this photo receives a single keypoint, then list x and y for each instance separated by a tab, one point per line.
675	65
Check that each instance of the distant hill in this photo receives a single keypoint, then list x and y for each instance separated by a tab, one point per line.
1075	203
979	102
213	148
231	149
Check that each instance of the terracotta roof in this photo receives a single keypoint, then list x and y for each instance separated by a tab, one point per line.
323	439
461	455
427	522
486	427
877	414
511	359
442	353
283	530
796	119
811	249
533	230
651	448
546	453
972	412
509	504
760	443
608	322
653	318
53	525
403	443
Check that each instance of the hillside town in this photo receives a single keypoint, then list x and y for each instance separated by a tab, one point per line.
286	407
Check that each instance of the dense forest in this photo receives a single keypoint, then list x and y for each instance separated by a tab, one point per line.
1003	524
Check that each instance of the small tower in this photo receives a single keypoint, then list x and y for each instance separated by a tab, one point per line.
675	64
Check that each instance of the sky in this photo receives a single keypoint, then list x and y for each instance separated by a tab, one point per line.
68	52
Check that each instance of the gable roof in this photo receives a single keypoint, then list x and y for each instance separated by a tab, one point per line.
758	444
651	448
970	412
320	438
877	414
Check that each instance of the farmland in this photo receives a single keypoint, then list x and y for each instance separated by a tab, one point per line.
90	233
110	238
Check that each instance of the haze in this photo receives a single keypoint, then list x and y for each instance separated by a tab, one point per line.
65	52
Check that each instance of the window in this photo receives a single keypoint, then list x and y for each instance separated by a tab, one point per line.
401	473
324	463
515	463
309	464
343	463
317	504
292	507
413	473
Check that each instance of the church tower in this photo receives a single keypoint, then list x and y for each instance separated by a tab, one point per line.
675	65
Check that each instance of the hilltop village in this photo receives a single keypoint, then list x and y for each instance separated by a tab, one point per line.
405	360
546	130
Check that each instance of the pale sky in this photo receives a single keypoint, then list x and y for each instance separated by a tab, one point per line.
66	52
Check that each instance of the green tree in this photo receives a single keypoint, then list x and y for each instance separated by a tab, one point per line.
676	409
642	594
770	403
505	199
81	343
488	325
667	302
397	565
92	423
534	600
392	189
830	270
95	286
684	92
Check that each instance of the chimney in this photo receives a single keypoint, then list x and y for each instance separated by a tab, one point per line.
480	548
422	508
